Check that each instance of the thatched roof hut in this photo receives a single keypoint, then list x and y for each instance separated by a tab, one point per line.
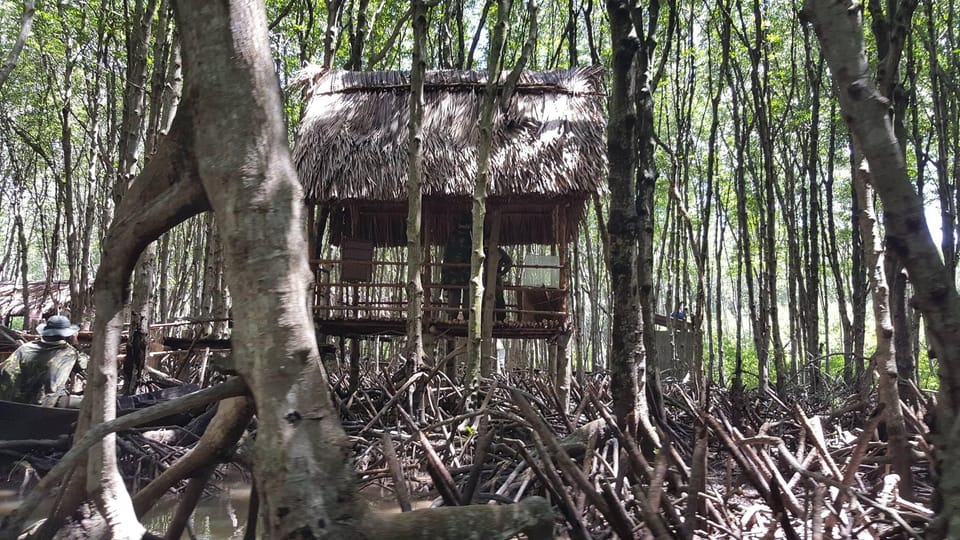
54	295
548	152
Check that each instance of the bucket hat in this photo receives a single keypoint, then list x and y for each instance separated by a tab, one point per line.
58	326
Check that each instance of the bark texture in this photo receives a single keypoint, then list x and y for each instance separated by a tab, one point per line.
839	27
26	23
229	141
304	473
626	347
414	194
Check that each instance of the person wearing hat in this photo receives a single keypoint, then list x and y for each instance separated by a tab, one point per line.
38	372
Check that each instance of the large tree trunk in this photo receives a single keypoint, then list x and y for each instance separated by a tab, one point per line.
304	474
257	201
165	194
839	27
229	140
626	348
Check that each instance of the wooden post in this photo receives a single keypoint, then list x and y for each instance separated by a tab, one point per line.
312	230
561	377
426	277
561	228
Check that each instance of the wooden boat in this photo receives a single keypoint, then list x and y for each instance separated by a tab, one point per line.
21	421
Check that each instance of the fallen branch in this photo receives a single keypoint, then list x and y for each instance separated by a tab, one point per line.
399	482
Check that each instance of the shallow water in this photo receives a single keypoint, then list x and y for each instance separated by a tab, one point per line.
220	515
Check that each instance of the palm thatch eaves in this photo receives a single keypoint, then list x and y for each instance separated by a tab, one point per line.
548	142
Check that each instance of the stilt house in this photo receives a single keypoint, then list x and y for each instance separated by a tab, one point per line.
547	161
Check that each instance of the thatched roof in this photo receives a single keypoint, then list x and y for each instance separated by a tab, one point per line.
352	144
54	295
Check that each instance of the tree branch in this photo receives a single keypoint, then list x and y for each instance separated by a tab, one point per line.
29	8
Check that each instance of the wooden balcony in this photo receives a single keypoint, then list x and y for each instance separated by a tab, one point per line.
369	297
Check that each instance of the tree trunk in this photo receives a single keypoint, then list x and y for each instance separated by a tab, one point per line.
626	347
139	32
488	351
165	195
304	473
26	22
414	348
488	110
814	69
24	274
884	358
839	29
331	34
832	255
647	364
768	326
359	33
858	287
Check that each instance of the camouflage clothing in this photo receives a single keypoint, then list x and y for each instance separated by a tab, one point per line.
38	372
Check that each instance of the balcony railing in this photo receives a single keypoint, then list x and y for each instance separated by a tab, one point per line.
353	289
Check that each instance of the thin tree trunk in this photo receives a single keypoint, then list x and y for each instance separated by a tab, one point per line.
647	80
28	325
814	69
769	325
414	347
332	33
715	83
26	22
139	35
884	358
66	191
488	110
358	35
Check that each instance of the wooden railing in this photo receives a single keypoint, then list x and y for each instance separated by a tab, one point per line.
376	290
